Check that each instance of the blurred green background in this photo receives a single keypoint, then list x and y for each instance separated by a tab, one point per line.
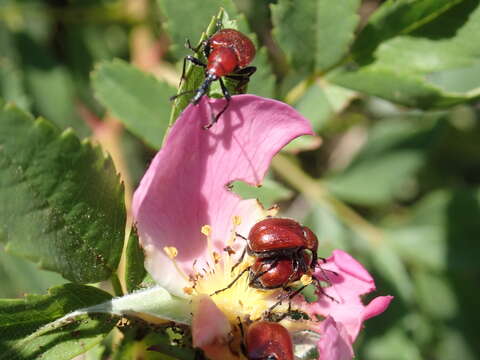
394	178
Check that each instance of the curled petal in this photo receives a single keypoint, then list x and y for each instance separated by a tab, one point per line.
209	325
334	343
348	280
186	185
376	306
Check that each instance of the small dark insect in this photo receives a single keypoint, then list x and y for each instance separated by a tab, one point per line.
267	340
228	53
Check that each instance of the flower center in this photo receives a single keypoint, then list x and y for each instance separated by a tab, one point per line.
228	284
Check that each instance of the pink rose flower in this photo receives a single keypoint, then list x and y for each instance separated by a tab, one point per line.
187	218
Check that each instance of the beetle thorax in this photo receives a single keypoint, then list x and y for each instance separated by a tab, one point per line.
222	61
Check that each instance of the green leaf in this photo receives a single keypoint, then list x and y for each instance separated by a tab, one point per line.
439	231
441	306
322	101
393	345
453	344
11	84
270	193
334	233
395	18
400	86
412	52
197	14
316	35
61	203
157	345
155	301
28	330
134	270
389	263
98	352
393	153
262	83
331	232
50	85
20	276
136	98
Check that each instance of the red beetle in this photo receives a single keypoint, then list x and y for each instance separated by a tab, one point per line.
280	237
228	53
268	341
272	273
284	251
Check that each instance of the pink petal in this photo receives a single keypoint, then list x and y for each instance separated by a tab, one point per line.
349	280
185	186
209	324
334	343
376	306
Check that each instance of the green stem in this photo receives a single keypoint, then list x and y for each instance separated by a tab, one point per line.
117	287
317	192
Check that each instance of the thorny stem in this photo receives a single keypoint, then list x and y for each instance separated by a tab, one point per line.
317	192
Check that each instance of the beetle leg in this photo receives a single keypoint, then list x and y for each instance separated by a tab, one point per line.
241	236
189	46
287	295
243	77
181	94
243	348
244	72
218	25
320	289
272	265
240	259
296	266
231	283
228	97
193	60
269	315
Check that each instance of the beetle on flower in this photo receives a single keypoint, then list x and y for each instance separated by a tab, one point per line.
188	218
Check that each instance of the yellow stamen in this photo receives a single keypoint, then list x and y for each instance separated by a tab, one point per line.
207	231
273	211
237	220
306	279
172	252
188	290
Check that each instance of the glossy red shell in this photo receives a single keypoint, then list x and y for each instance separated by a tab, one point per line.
235	40
268	340
276	234
222	61
311	239
274	277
